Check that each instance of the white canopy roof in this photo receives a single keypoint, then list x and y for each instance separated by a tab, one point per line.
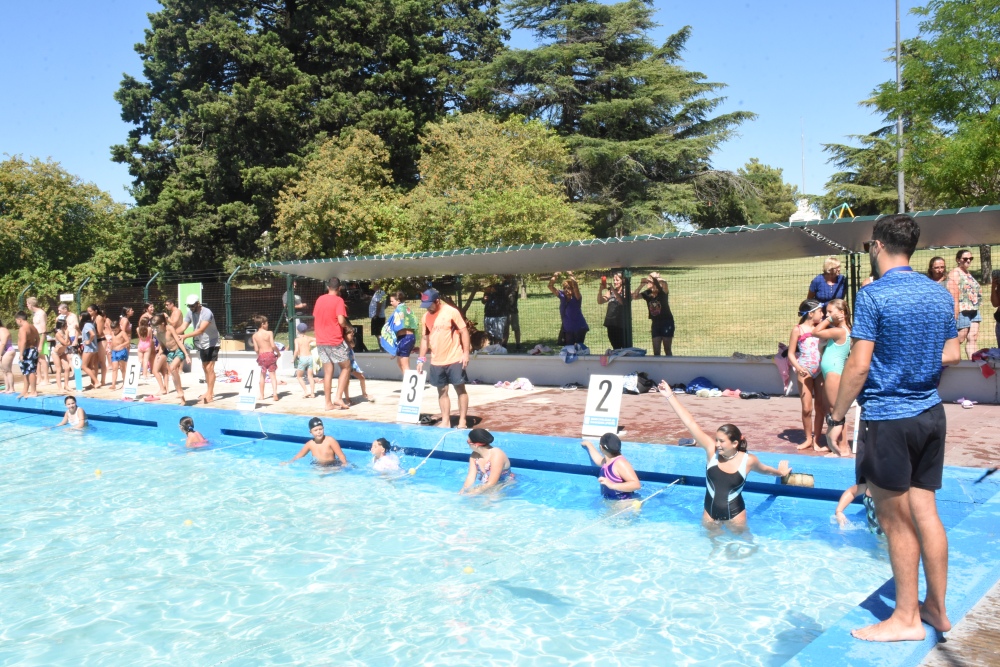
760	243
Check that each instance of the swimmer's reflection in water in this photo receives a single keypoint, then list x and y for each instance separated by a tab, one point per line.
326	451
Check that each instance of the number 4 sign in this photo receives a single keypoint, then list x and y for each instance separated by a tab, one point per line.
410	397
604	402
248	392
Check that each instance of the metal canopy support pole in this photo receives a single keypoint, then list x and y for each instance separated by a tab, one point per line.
627	307
145	290
79	296
458	292
900	180
20	297
853	277
229	303
290	311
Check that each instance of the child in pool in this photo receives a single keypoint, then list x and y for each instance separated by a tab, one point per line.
325	450
194	439
848	497
383	460
488	464
727	466
303	361
119	353
618	479
75	417
267	356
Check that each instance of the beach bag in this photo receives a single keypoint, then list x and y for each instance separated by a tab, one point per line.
631	384
643	383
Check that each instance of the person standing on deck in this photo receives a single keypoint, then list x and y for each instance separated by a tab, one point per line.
206	339
446	335
40	320
329	321
904	331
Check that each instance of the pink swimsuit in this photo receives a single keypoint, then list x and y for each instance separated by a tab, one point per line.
808	354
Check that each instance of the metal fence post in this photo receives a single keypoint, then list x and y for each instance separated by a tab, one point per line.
79	296
145	290
627	323
20	297
229	303
290	311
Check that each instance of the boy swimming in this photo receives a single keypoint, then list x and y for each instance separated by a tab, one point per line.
325	450
383	459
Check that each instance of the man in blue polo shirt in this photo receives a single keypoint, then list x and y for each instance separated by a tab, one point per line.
904	331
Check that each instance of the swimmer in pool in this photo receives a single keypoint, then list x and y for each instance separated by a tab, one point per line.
726	470
848	497
383	460
488	464
324	449
75	417
618	479
194	439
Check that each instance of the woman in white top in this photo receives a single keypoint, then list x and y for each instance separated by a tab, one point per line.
75	417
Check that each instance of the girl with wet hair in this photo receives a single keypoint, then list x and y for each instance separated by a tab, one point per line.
804	355
194	440
728	463
618	479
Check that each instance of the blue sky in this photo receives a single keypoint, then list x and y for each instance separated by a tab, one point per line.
790	62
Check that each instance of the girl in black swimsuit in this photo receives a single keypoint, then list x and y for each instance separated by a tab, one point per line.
726	469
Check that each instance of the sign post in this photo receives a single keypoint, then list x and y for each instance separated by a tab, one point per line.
604	402
130	384
410	397
78	371
248	391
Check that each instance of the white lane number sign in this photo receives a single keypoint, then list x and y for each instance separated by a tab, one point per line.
410	397
604	402
130	386
248	391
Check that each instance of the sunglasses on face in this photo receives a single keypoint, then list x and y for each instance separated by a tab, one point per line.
966	259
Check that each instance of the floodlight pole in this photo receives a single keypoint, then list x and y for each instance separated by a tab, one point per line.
20	297
290	311
900	182
145	290
229	302
79	295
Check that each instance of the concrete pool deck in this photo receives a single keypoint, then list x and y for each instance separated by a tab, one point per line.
771	426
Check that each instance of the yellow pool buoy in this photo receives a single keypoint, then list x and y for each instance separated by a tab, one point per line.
413	471
468	570
97	473
188	522
636	504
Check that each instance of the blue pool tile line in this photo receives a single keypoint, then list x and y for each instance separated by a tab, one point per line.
969	502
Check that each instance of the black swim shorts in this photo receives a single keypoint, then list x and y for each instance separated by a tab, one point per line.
896	454
442	376
209	354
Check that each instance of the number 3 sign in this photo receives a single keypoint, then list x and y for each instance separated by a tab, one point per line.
410	397
604	402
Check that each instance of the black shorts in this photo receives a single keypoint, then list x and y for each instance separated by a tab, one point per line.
897	454
442	376
209	355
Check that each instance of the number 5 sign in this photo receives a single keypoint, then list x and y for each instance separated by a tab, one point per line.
410	397
604	401
130	386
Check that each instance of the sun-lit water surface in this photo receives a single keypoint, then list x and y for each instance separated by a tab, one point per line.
224	557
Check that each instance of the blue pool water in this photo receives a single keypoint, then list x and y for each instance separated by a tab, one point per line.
296	565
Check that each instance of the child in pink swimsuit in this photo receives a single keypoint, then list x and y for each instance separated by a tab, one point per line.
804	356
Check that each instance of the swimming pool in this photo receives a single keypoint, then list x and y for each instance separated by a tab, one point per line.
225	557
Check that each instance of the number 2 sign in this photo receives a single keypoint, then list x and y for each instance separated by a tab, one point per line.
604	402
410	397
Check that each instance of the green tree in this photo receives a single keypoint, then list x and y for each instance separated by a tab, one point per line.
484	182
756	194
951	102
236	94
343	201
639	126
55	230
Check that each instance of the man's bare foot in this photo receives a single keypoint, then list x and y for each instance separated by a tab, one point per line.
890	630
461	425
369	398
820	448
936	619
310	396
806	445
338	405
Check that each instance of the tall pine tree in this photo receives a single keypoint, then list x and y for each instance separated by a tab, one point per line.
640	126
238	92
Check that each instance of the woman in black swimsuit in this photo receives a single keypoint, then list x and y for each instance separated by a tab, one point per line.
728	464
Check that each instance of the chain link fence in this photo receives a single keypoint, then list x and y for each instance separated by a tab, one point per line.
717	310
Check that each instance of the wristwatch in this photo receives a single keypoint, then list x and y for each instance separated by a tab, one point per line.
831	422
